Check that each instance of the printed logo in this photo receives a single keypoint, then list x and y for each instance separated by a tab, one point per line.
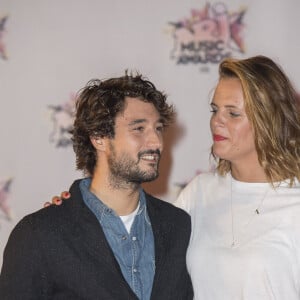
3	53
5	211
208	36
62	117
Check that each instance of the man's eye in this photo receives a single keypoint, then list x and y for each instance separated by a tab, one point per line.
160	128
140	128
213	110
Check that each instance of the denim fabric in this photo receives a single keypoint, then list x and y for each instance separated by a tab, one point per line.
134	251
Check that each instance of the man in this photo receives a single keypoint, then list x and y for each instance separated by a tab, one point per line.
111	240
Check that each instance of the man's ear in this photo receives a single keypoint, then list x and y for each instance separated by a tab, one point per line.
98	142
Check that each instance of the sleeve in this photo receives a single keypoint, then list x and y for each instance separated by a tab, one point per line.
188	196
296	235
21	276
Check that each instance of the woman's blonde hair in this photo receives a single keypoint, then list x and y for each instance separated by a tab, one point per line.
273	109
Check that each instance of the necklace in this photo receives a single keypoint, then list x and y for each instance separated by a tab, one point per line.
255	213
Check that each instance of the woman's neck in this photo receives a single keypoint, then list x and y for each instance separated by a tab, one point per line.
246	173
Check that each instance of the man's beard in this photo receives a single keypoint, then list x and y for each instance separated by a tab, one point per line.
125	170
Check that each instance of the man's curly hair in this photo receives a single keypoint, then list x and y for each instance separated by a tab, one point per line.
97	106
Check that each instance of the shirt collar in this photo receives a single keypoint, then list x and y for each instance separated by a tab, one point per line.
97	206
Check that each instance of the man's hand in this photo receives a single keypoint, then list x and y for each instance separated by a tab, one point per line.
56	200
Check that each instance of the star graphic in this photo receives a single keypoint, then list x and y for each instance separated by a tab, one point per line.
62	117
4	196
3	53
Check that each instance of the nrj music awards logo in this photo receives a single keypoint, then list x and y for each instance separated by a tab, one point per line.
62	117
208	36
5	211
3	21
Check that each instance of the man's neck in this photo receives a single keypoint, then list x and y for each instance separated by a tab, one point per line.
123	200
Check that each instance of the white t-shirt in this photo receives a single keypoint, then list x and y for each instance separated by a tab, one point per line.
128	219
264	262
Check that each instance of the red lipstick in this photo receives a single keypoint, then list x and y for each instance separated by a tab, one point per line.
218	138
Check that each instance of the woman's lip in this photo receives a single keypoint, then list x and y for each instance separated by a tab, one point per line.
218	138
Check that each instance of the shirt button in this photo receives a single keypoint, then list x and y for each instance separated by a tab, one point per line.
124	237
134	270
134	238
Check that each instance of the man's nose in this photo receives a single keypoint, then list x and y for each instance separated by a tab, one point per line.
155	140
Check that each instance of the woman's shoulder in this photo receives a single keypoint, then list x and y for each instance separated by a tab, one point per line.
197	188
206	179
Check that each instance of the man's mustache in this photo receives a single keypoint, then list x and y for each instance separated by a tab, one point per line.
157	151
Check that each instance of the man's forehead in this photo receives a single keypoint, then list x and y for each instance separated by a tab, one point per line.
136	108
134	101
135	118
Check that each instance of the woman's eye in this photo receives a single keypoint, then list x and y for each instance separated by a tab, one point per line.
234	114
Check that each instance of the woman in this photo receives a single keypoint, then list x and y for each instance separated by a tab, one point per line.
245	241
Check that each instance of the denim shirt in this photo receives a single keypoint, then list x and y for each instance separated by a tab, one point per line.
134	251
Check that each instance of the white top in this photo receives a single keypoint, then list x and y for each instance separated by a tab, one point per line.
128	219
264	262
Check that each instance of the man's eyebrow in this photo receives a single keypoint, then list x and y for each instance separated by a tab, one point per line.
139	121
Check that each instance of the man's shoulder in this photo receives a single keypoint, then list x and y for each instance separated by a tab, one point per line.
47	217
56	215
